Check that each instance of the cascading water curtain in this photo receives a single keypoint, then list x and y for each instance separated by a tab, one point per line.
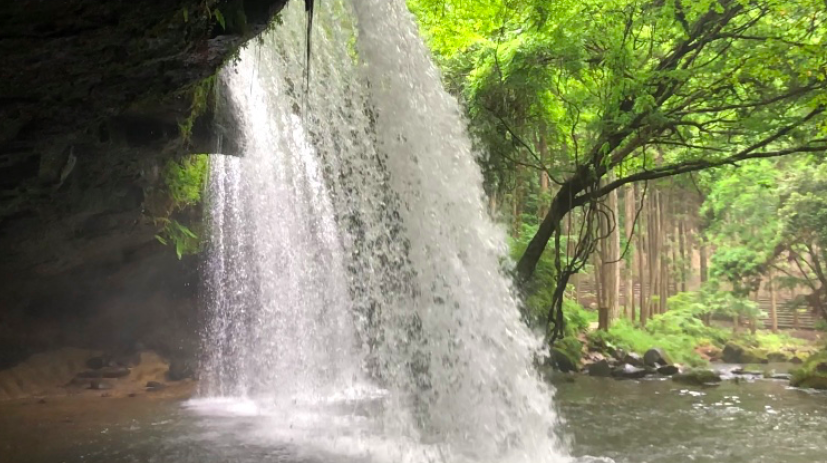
350	250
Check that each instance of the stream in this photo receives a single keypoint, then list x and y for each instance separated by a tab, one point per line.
651	421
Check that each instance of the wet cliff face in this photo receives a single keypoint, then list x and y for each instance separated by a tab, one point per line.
91	100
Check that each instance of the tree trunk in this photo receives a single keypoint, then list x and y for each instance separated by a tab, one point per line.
703	274
773	303
629	289
682	247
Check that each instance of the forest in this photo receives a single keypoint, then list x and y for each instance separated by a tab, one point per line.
660	163
410	231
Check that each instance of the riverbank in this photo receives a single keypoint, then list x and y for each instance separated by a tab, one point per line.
71	372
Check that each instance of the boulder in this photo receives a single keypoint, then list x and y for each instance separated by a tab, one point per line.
99	384
668	370
180	369
560	361
745	372
633	359
812	374
155	385
627	371
796	360
781	376
95	363
600	369
90	374
733	353
115	372
710	352
655	358
697	377
778	357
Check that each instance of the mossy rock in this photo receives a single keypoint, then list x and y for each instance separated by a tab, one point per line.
563	361
739	353
755	356
813	374
697	377
566	354
779	356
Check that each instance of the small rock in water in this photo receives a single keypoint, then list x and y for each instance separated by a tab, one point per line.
782	376
132	394
180	369
633	359
668	370
95	363
629	372
697	377
745	372
99	384
115	372
655	358
155	385
41	401
601	369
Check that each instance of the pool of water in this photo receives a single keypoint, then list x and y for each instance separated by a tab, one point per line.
651	421
659	421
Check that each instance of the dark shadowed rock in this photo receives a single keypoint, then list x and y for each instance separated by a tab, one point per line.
90	374
697	377
633	359
561	361
115	372
668	370
100	384
733	353
180	369
655	358
96	363
601	369
155	385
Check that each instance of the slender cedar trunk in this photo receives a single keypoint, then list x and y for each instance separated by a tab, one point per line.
703	274
654	255
517	206
753	320
605	263
542	206
773	302
492	204
640	243
629	220
614	203
571	242
682	247
665	252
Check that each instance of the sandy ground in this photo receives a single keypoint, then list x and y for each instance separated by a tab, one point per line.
50	374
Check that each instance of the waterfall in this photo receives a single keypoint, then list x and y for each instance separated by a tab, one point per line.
350	256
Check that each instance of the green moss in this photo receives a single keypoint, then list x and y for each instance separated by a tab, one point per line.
202	93
184	182
572	347
809	375
697	377
679	347
185	179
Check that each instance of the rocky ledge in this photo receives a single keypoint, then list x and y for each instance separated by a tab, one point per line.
93	94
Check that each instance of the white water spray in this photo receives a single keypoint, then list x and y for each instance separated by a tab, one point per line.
350	253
